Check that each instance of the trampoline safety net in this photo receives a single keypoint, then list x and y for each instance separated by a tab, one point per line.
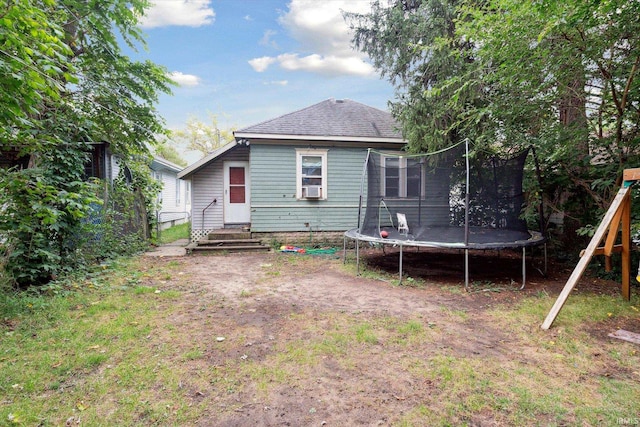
442	200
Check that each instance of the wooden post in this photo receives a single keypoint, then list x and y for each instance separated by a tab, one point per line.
629	177
611	238
626	248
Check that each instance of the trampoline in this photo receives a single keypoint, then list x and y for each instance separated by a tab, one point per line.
445	199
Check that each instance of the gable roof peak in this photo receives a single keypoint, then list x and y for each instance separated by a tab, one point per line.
331	118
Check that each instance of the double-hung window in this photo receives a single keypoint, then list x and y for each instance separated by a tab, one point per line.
311	174
402	177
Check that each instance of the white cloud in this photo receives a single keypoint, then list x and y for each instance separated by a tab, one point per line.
189	13
261	64
276	83
324	39
184	79
267	39
330	65
320	26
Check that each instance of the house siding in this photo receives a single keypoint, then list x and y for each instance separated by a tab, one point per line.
113	167
274	207
206	185
172	212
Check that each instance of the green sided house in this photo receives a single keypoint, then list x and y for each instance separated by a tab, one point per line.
291	177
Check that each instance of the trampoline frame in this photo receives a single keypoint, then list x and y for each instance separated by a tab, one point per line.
353	234
536	238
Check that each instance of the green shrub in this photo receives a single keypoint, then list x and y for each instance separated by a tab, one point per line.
53	221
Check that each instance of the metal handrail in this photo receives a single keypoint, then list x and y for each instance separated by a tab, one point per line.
213	202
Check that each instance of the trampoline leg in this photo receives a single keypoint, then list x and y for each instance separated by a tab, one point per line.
524	267
357	257
400	268
466	269
344	250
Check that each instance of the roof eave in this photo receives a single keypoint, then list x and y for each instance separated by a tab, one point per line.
159	163
191	169
289	137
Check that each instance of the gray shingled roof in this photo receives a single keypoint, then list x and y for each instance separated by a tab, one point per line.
334	118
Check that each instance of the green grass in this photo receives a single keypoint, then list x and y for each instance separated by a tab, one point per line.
193	354
78	354
171	234
112	349
578	310
365	334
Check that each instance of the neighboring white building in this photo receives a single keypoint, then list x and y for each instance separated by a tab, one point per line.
174	200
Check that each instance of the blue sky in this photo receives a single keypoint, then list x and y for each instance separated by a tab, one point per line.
247	61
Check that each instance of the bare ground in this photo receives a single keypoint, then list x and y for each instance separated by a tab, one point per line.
263	304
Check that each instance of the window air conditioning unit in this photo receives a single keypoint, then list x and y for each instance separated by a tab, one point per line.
312	192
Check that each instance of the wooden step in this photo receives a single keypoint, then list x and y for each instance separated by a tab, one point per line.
229	234
230	242
232	248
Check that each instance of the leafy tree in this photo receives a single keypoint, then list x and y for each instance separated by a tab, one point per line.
168	151
558	75
203	137
33	67
564	76
66	84
415	45
117	93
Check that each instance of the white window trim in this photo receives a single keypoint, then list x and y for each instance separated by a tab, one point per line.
324	191
187	192
178	191
158	177
402	165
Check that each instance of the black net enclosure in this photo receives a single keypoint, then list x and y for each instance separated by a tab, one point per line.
445	199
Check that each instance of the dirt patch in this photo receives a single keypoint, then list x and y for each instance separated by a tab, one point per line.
245	312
